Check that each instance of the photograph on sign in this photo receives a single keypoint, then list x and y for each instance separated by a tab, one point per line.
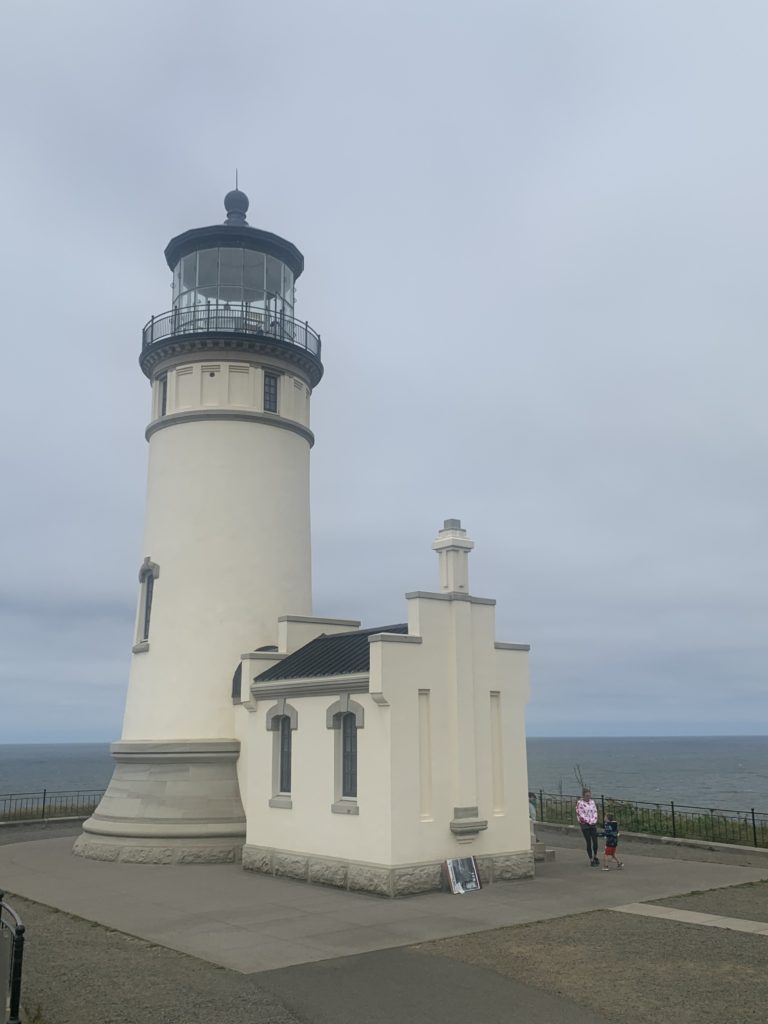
462	874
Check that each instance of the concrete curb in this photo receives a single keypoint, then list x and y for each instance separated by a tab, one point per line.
684	849
42	822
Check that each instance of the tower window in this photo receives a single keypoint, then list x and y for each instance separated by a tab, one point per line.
148	573
163	395
149	586
270	392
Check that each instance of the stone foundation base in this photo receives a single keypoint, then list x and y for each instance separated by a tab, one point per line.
159	851
169	803
403	880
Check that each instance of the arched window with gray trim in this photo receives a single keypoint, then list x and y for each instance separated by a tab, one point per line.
284	765
348	755
281	721
345	717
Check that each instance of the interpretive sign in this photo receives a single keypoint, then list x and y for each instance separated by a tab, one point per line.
462	874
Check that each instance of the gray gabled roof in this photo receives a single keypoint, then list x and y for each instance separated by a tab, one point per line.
332	654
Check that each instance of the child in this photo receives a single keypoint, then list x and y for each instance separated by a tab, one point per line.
611	833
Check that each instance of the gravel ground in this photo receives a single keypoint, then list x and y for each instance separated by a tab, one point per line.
633	970
748	901
77	972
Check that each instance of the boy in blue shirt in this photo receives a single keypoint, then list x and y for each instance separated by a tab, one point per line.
611	833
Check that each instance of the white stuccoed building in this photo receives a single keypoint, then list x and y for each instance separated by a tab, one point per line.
362	758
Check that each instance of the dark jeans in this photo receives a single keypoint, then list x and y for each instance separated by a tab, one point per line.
590	838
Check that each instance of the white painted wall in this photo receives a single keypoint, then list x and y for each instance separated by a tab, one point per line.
229	383
227	522
407	791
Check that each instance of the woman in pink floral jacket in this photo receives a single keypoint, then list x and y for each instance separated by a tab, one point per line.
586	813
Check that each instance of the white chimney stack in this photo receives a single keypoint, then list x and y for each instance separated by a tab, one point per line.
453	547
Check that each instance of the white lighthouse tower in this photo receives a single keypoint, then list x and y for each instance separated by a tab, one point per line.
226	539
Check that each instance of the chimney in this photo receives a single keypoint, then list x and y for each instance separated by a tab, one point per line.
453	547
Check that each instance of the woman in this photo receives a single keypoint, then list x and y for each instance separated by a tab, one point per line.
586	813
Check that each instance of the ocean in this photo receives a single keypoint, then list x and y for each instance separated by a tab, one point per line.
729	772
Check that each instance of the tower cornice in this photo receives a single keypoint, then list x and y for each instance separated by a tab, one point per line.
185	342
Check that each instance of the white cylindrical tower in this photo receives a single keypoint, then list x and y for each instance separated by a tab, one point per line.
226	538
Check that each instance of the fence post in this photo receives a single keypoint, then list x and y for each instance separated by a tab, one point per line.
44	795
541	805
18	956
674	828
602	804
754	827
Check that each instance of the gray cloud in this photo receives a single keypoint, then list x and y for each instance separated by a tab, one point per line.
536	244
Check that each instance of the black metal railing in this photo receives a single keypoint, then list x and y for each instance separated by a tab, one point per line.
11	962
45	804
204	319
681	821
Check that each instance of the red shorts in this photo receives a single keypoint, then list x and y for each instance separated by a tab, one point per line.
610	851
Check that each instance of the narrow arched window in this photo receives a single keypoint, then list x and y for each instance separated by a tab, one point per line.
281	720
284	734
148	573
149	587
348	755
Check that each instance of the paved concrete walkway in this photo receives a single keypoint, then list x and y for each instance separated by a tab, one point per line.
735	924
251	922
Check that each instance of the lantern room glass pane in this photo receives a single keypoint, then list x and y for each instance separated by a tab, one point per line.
230	269
189	272
253	297
288	286
207	269
229	294
274	284
253	277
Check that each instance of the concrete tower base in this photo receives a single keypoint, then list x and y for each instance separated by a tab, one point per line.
174	802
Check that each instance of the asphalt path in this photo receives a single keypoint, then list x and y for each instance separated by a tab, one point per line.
404	985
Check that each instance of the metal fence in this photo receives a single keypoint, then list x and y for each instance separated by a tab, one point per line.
683	821
71	803
235	319
11	962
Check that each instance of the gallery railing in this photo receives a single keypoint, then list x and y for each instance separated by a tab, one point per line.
208	318
683	821
11	962
45	804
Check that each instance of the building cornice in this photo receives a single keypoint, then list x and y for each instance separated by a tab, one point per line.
193	415
452	595
357	682
394	638
318	621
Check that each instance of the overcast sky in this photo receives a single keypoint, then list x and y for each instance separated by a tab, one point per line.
536	243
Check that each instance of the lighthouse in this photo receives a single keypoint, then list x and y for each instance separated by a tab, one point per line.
226	547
